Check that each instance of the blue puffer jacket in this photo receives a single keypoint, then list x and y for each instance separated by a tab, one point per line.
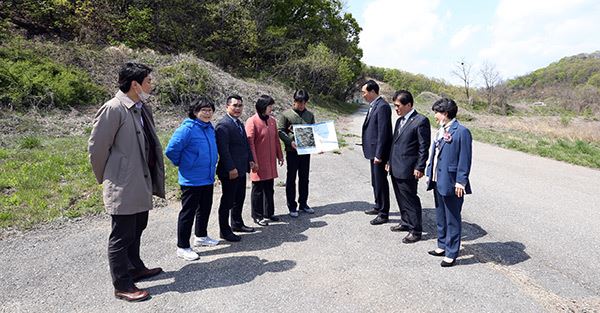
193	149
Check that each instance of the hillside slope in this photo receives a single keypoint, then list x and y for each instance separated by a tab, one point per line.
572	83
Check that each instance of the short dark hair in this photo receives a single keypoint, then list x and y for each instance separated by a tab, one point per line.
446	105
234	96
372	86
131	71
262	103
404	96
197	105
301	95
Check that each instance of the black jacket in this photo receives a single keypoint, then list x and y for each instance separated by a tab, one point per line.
410	146
233	147
377	131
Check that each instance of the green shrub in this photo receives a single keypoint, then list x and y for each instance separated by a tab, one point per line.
30	142
137	27
181	82
27	80
321	71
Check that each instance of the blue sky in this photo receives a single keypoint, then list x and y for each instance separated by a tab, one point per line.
515	36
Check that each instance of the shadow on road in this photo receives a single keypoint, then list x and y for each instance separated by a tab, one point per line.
289	229
236	270
470	231
224	272
502	253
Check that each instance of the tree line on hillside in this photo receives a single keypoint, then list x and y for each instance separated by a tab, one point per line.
311	44
572	83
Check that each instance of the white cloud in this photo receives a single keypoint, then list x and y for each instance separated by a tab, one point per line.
463	35
395	32
526	35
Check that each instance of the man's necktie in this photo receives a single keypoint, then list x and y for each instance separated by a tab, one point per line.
240	126
402	121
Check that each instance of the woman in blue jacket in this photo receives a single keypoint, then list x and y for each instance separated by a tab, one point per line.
193	150
448	172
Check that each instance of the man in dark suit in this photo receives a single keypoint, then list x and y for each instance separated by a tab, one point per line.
235	160
376	141
408	156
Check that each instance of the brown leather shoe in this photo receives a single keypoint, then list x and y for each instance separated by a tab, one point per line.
132	295
146	273
411	238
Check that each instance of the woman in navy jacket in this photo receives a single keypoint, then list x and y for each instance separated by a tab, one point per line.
193	149
448	172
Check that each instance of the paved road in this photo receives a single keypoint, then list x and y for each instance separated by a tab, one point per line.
530	245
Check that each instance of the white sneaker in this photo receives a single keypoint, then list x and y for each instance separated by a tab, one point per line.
205	241
294	214
187	254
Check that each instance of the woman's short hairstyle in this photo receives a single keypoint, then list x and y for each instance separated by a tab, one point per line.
301	95
445	105
262	103
197	105
131	71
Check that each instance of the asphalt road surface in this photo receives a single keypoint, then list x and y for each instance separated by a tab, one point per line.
530	244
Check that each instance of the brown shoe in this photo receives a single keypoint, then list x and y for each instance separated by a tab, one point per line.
146	273
411	238
132	295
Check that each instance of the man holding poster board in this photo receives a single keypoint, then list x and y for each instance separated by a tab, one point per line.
297	164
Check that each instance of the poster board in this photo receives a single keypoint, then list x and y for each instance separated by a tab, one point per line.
315	138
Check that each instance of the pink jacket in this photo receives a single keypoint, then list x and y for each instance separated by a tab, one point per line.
264	143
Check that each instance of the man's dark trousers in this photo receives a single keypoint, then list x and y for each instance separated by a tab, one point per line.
381	188
124	248
297	165
409	203
234	194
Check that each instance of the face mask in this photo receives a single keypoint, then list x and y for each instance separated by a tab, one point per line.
143	96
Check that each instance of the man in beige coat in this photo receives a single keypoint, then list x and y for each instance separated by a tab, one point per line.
126	158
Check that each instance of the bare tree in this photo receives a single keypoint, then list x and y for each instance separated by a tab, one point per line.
462	70
491	78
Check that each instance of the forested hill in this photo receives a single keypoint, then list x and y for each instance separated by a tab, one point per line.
574	71
310	44
573	81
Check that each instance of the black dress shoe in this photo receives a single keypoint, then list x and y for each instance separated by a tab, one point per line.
274	218
145	273
448	264
372	211
305	208
379	220
243	229
411	238
261	221
399	227
435	253
231	237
